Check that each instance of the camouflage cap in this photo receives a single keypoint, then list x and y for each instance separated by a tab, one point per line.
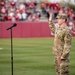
61	16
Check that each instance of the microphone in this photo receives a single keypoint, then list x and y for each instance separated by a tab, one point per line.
14	25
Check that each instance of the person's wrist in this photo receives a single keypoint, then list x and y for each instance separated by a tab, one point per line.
50	20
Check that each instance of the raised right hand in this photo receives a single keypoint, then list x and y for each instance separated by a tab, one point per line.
50	16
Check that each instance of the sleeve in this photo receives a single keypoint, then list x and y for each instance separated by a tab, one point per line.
52	27
67	43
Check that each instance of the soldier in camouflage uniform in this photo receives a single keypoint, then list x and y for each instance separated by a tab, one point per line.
62	44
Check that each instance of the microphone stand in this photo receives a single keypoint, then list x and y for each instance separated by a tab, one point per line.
11	52
10	28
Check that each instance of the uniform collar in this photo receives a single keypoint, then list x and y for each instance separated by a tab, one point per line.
63	26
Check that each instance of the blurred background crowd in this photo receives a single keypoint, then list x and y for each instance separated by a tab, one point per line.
13	10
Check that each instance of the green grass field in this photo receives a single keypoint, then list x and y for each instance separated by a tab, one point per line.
32	56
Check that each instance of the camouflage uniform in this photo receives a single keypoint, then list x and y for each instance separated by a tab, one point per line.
62	45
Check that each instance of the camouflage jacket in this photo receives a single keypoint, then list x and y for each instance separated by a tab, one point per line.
62	40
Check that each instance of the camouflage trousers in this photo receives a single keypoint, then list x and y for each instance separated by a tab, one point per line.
61	66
